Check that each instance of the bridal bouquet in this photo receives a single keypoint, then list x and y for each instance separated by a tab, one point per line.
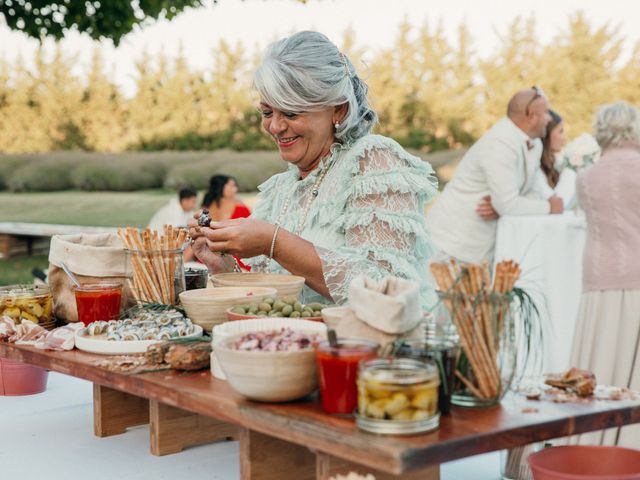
580	153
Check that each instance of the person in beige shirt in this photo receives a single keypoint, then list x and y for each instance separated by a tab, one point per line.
495	177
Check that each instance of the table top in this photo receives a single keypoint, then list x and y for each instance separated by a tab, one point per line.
464	433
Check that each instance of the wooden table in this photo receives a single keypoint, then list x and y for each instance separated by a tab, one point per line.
297	440
19	238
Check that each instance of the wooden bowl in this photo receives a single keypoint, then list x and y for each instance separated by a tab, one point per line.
207	307
267	376
232	316
285	285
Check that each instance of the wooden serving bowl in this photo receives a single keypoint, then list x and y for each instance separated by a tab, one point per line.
207	307
285	285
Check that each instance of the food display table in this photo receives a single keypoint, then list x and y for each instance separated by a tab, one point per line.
549	250
297	440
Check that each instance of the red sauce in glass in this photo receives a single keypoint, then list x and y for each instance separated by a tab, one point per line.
98	303
338	372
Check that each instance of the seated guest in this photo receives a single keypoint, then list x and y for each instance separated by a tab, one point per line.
221	199
351	203
495	177
549	181
608	325
177	211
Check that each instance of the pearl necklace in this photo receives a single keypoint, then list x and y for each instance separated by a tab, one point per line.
314	194
315	190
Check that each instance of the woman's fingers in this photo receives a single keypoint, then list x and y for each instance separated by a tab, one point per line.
219	247
227	223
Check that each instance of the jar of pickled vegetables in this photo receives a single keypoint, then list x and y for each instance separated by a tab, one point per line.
27	302
398	396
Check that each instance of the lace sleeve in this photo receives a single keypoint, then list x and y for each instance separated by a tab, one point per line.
384	227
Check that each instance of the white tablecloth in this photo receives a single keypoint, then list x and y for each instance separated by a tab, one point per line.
549	250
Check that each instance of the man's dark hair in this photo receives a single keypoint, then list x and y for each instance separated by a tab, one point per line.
187	193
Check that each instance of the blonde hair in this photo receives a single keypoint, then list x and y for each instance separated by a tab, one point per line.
615	124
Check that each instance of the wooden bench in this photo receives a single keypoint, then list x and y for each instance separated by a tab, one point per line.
33	238
297	440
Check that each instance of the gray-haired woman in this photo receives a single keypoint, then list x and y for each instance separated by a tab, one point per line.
350	203
607	339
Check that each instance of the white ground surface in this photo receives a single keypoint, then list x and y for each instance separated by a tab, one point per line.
50	437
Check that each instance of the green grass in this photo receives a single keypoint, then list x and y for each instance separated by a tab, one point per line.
18	269
102	209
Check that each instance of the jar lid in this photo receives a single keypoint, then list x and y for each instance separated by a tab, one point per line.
24	291
402	371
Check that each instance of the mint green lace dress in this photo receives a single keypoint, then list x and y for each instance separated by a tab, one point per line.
368	217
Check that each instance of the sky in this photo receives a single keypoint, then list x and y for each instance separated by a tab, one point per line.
257	22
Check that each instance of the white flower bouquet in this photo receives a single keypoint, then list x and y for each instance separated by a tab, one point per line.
580	153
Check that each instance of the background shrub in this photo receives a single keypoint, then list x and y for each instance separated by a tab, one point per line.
41	176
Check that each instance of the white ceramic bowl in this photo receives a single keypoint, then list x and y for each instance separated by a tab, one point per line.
207	307
267	376
226	329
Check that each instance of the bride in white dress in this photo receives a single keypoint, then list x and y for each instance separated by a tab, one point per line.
549	181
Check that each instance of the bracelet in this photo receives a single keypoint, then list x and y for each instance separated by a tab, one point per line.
273	242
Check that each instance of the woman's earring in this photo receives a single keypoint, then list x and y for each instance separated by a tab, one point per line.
337	125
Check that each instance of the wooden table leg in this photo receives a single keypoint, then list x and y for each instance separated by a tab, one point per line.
173	429
328	466
267	458
114	411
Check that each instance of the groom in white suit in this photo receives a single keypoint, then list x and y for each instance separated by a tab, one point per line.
495	177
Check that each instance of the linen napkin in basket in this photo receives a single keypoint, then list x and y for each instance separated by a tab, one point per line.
391	305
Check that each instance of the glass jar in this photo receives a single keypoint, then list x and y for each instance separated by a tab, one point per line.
444	354
27	302
398	396
155	276
196	277
98	302
338	371
487	362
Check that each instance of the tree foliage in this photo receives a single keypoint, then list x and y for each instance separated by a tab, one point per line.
99	19
430	93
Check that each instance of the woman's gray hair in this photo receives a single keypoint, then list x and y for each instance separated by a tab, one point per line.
617	123
306	72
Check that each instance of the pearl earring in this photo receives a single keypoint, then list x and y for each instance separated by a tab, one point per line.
337	125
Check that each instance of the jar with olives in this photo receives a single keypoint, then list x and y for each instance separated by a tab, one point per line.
398	396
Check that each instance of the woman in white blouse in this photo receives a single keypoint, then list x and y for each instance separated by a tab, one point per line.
549	181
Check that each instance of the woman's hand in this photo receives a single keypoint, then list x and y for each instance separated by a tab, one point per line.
215	263
242	237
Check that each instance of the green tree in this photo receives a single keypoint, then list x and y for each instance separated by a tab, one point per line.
580	67
515	66
628	82
102	115
107	19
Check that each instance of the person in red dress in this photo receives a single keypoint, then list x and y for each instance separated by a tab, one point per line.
222	202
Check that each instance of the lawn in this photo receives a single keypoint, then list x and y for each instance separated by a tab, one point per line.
18	269
103	209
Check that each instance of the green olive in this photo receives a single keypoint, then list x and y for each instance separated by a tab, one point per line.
289	300
278	305
314	306
268	300
264	307
306	313
297	307
239	310
295	314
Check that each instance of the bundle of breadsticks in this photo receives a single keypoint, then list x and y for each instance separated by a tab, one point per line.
153	261
478	308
